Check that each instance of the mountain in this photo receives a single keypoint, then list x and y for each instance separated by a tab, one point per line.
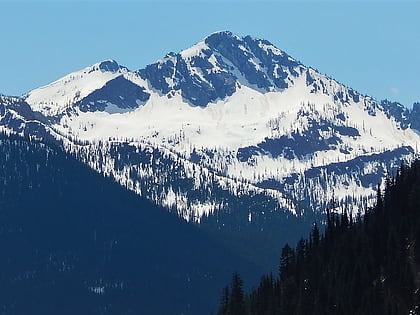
232	134
89	89
74	242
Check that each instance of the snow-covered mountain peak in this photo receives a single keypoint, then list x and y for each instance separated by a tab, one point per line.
234	106
222	39
215	67
56	97
104	86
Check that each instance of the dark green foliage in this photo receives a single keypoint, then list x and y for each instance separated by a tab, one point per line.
74	242
237	302
233	298
369	266
225	301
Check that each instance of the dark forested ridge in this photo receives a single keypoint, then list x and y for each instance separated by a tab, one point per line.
74	242
368	265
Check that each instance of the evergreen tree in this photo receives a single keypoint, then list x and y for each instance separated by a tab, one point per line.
286	261
225	302
237	300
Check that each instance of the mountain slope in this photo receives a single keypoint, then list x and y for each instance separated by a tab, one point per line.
61	94
74	242
232	134
357	266
237	107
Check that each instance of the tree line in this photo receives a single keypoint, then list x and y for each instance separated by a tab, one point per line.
357	265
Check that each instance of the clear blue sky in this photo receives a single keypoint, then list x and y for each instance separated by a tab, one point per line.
371	46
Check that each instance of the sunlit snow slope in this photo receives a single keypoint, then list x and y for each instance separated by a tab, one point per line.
228	117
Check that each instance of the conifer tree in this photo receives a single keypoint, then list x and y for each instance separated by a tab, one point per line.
224	303
237	300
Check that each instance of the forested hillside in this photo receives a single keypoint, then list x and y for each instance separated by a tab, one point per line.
368	265
74	242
